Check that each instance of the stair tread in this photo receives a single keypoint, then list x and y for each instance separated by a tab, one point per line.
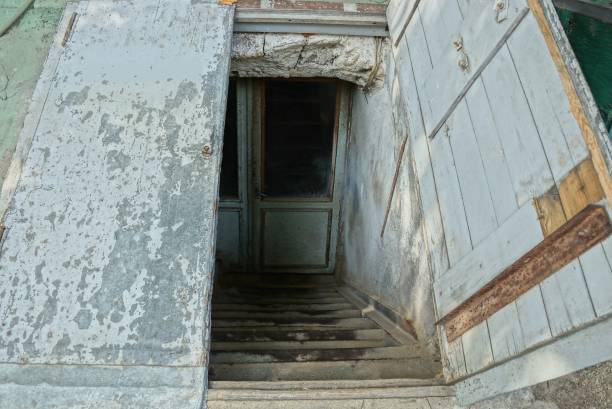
318	385
348	403
281	307
300	345
293	315
323	323
293	335
332	394
322	370
314	355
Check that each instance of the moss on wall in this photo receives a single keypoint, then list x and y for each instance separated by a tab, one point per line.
23	49
591	40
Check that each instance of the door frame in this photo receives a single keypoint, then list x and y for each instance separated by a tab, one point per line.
258	206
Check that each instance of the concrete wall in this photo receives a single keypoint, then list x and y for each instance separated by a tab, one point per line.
393	269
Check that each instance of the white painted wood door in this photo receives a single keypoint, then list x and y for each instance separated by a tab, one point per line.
500	116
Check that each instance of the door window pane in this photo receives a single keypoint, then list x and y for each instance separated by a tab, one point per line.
300	121
229	164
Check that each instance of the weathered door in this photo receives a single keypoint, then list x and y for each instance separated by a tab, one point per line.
513	163
298	159
106	263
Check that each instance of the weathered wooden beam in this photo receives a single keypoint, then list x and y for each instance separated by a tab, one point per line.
579	234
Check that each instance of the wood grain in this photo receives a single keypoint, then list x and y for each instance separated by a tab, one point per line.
589	227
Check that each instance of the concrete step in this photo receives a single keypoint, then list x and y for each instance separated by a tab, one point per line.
327	393
407	403
313	355
322	385
324	370
292	335
282	307
289	315
301	324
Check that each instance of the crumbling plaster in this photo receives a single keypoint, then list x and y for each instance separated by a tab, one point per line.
350	58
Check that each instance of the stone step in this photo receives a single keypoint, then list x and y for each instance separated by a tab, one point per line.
302	345
248	335
324	370
313	355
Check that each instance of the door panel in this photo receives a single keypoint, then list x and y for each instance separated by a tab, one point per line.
296	238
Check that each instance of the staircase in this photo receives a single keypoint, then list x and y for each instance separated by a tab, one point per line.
283	341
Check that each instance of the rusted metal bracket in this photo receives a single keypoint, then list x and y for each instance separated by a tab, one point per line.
69	29
583	231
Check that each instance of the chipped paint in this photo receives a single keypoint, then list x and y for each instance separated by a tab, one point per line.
107	258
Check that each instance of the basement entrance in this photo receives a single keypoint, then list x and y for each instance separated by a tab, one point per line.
281	180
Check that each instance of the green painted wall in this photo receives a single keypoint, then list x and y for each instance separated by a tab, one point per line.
23	50
592	43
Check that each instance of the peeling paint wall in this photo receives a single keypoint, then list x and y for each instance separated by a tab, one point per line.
393	269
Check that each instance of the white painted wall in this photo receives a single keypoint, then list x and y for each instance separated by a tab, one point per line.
391	268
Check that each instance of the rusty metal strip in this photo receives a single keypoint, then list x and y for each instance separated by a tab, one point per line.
69	29
398	167
589	227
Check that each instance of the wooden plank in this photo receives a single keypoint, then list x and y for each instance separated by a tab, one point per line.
506	333
492	152
598	275
519	234
532	317
579	188
456	230
563	356
567	300
550	211
481	38
477	200
543	11
440	19
453	358
477	348
582	232
557	127
399	14
531	174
